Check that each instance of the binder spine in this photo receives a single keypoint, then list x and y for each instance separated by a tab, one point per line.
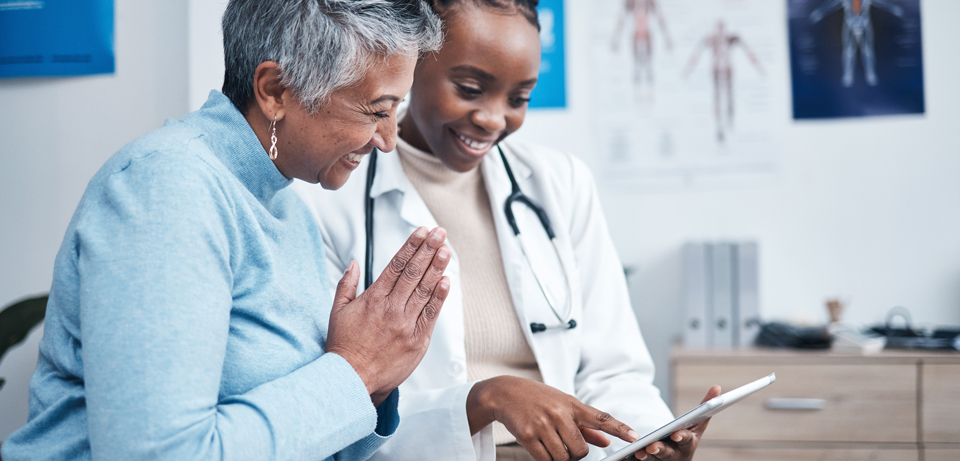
723	303
696	295
748	293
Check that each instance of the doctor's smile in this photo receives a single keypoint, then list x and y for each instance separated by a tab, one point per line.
473	145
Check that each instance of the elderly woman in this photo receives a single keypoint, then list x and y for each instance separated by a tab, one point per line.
189	316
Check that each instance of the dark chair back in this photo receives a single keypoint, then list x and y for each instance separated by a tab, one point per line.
16	321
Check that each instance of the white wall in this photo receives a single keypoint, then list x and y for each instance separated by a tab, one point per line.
56	133
865	209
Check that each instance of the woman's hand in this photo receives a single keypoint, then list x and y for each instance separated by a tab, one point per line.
384	332
682	443
548	423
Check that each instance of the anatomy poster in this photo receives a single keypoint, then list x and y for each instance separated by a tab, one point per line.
852	58
51	38
689	92
551	89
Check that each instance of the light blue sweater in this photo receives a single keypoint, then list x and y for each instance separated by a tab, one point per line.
188	314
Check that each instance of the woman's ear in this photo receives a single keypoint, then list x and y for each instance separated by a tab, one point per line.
268	91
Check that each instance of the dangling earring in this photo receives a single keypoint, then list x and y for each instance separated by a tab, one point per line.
273	138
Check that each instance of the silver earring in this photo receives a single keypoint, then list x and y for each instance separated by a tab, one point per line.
273	138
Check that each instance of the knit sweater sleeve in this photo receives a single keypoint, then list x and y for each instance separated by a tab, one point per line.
154	271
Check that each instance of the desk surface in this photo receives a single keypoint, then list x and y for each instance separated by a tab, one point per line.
761	356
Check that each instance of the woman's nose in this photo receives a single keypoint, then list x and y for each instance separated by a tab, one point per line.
491	119
385	138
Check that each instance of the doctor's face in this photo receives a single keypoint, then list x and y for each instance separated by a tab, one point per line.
474	91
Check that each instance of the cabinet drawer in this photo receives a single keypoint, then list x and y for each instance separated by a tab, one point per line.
929	455
861	403
801	454
941	404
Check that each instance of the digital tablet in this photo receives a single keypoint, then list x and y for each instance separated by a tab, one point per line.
692	417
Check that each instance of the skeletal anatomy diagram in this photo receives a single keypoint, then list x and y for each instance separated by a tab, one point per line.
857	34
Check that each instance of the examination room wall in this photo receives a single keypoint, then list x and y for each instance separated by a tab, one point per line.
864	209
56	133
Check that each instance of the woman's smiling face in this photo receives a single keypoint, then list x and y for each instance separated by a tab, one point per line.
326	146
474	91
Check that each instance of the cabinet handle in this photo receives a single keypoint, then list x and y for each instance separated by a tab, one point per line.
795	404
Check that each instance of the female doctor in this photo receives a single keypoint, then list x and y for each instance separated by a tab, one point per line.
537	334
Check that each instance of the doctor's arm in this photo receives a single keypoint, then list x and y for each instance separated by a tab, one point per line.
616	371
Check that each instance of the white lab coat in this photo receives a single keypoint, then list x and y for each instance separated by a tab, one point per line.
603	362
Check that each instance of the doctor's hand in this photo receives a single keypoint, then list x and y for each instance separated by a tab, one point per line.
548	423
682	443
384	332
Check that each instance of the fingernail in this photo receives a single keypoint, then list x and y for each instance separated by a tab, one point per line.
633	434
443	253
444	283
421	232
658	451
678	438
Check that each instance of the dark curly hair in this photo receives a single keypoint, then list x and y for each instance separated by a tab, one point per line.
527	8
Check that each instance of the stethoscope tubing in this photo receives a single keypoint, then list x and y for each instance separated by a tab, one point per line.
516	195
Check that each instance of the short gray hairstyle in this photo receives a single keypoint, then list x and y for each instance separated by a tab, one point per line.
320	45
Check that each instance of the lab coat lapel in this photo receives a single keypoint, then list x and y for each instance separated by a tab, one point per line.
390	177
394	193
528	301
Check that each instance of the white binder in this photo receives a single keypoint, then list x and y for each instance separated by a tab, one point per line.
696	295
723	324
747	294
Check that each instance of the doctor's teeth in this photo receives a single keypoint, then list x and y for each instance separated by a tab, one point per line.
354	157
472	143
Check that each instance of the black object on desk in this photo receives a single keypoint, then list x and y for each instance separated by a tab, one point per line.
784	335
906	337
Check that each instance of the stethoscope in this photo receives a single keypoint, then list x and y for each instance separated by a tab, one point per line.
516	195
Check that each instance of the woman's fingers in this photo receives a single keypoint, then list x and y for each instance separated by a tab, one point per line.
555	446
347	286
416	267
681	446
388	278
592	418
683	440
714	391
594	437
658	451
428	283
536	449
571	437
430	312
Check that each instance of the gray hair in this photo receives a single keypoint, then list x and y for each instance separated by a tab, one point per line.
320	45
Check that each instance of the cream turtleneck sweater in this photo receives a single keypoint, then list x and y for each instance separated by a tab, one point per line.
494	338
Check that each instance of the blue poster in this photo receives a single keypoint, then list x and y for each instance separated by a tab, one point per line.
56	37
855	58
551	89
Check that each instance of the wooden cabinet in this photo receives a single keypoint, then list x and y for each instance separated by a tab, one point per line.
938	455
941	403
805	454
825	406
